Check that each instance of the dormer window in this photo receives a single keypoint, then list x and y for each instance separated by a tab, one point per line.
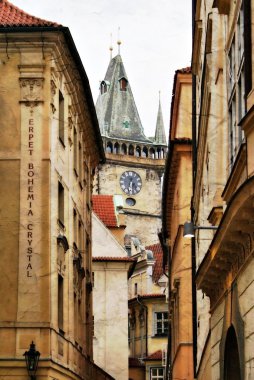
123	84
104	87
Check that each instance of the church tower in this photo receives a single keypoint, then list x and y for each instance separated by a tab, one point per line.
134	163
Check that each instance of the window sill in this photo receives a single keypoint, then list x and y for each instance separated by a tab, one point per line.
160	335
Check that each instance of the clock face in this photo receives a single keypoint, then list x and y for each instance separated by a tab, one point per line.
130	182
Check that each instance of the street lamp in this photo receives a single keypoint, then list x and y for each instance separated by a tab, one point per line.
189	228
32	358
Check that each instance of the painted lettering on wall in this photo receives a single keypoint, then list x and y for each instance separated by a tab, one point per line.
30	200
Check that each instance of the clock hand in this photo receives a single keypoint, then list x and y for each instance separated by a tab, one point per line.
130	185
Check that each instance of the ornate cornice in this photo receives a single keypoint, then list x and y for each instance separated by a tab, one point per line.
232	244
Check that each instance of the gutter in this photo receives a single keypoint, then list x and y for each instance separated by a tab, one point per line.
74	52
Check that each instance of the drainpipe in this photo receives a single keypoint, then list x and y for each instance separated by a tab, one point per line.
146	331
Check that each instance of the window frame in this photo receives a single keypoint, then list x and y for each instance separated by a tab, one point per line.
156	376
163	321
61	119
236	88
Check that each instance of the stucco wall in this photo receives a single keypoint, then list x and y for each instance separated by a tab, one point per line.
111	318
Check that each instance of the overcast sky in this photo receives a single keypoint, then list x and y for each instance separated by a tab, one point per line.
156	41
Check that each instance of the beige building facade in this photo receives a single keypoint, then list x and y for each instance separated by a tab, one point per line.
223	193
177	192
49	147
111	271
148	316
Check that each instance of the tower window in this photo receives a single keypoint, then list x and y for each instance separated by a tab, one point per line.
123	84
130	201
103	87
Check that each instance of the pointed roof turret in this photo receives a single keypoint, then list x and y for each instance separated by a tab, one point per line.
116	109
12	16
160	136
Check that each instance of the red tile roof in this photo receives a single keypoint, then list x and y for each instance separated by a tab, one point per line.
157	355
104	208
158	256
12	16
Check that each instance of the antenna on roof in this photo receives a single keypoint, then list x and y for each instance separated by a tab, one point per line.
118	40
159	96
111	47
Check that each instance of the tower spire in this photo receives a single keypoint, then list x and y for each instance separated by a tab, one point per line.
160	136
118	40
116	109
111	46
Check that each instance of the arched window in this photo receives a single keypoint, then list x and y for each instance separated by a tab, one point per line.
103	87
123	149
138	151
123	84
151	153
109	148
116	148
131	150
145	152
232	360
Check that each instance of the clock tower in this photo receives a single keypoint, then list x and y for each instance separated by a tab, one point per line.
134	163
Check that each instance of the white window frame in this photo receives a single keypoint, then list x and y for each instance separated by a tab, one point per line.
163	320
154	373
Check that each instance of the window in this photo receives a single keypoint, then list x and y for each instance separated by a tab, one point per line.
157	373
123	84
60	203
109	148
75	305
135	288
161	323
60	302
80	235
103	87
75	240
236	88
75	151
61	117
130	201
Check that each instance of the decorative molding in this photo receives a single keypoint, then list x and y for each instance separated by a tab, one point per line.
31	90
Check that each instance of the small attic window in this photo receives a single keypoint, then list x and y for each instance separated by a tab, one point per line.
123	84
103	87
